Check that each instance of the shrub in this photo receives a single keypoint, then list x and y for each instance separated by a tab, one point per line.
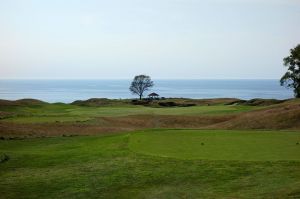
167	104
4	158
140	102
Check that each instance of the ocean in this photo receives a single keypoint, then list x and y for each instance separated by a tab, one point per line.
71	90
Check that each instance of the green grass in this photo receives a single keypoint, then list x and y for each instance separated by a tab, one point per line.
218	144
69	113
108	167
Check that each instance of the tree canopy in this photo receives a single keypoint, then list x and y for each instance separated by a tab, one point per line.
140	84
291	79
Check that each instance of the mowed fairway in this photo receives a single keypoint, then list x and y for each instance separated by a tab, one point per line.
218	144
117	166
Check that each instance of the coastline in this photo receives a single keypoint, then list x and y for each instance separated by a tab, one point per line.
67	91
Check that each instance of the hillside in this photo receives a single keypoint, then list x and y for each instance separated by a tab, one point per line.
33	118
282	116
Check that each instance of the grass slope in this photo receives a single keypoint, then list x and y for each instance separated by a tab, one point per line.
105	167
282	116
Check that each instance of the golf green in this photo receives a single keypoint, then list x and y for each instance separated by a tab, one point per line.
218	144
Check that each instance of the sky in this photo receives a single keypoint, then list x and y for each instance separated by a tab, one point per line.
166	39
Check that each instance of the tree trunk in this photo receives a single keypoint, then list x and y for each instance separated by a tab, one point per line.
140	97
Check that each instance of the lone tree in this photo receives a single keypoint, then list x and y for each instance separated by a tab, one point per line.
140	84
291	79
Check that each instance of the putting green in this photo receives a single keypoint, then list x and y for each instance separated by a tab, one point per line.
218	144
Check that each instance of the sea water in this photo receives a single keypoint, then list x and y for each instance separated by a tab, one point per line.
71	90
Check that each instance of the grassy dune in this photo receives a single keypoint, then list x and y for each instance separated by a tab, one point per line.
32	118
109	167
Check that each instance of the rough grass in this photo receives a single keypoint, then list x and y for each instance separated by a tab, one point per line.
47	119
105	167
282	116
218	144
107	125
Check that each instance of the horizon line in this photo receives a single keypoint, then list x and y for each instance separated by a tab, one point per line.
132	78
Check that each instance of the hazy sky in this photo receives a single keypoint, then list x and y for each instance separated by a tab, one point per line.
163	38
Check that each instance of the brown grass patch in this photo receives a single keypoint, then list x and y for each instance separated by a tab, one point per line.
282	116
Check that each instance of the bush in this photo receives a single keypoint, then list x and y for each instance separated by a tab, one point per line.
140	102
167	104
4	158
172	104
187	105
